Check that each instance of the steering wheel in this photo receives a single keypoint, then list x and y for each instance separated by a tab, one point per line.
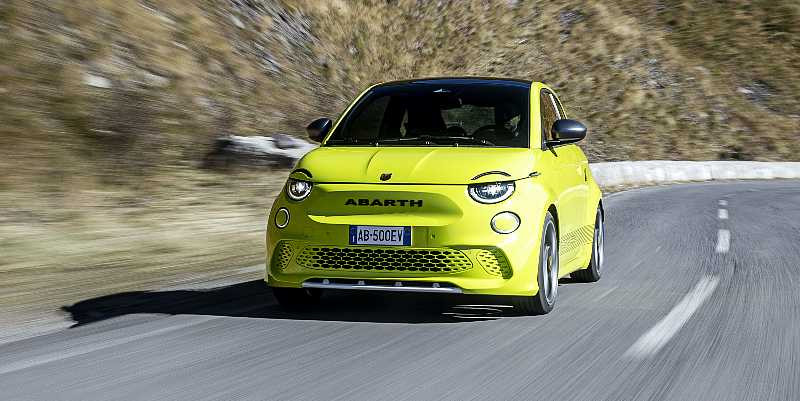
493	131
456	130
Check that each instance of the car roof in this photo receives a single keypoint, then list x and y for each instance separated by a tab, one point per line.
460	81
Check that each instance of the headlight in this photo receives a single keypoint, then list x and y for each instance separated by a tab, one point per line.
491	193
298	190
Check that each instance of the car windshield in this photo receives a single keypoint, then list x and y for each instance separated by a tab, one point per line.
483	113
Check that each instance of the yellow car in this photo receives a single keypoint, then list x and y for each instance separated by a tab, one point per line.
440	185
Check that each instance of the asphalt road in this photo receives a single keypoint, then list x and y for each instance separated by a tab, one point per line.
695	304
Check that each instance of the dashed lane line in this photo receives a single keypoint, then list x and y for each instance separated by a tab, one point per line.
660	334
723	241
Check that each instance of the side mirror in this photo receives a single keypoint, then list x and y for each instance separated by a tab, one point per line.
567	131
319	128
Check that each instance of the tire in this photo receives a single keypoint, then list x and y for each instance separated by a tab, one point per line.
297	299
592	272
547	275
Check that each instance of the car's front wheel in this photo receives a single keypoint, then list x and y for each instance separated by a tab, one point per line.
547	276
592	272
297	299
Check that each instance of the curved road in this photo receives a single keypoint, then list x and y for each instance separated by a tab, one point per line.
700	301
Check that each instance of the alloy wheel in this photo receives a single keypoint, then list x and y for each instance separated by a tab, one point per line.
550	263
599	234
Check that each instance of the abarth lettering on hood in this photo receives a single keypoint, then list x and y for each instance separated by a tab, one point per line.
384	202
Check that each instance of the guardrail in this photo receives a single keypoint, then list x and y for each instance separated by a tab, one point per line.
612	174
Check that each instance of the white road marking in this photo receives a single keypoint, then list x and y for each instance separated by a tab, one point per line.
723	241
722	214
85	349
658	336
723	202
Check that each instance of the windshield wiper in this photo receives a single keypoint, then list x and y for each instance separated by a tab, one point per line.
351	141
422	138
455	140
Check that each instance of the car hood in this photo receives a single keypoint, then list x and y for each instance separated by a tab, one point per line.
414	165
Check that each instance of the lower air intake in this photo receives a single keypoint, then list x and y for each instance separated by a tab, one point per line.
282	255
494	262
384	259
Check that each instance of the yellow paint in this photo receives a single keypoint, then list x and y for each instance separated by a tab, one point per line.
482	261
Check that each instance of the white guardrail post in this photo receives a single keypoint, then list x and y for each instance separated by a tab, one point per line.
612	174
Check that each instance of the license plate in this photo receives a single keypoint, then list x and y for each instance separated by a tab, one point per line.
380	235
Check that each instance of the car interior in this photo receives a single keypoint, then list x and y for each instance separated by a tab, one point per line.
486	118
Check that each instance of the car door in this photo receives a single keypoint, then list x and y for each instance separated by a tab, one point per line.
572	178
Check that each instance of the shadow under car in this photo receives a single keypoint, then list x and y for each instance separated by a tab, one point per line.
252	299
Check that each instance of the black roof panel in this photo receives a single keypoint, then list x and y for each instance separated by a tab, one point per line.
461	81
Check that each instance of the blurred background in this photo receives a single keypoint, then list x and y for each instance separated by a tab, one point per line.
111	111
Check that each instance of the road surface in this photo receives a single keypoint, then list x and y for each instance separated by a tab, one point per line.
699	301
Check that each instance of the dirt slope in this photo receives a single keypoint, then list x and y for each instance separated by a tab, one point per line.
119	89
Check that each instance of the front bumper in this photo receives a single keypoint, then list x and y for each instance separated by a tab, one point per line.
470	269
453	248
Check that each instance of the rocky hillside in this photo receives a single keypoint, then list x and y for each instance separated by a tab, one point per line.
119	89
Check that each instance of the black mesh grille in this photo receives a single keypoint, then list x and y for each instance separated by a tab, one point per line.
282	255
384	259
494	262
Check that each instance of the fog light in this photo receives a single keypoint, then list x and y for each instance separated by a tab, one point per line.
282	218
505	222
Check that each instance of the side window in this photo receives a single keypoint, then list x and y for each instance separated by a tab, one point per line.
549	115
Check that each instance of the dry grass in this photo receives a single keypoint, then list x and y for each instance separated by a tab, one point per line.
61	249
674	79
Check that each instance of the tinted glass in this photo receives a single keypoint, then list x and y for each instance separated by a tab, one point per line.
438	113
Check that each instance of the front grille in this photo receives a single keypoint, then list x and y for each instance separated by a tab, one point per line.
384	259
494	262
282	255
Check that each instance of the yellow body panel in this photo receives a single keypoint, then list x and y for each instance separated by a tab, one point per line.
450	228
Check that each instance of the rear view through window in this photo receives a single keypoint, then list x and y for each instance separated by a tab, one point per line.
433	113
